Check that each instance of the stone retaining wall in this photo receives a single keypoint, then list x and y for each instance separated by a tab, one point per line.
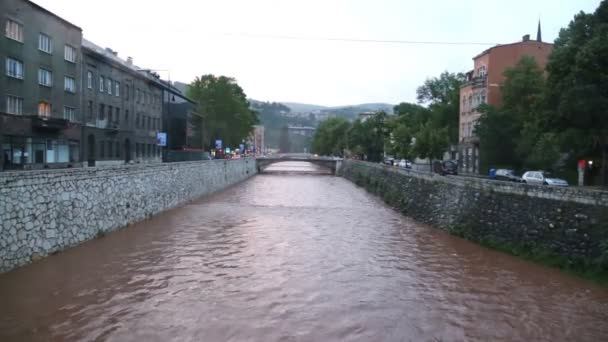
42	212
569	223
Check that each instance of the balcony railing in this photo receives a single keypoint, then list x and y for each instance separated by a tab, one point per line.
49	123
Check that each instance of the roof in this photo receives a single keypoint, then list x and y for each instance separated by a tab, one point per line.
141	72
511	44
35	5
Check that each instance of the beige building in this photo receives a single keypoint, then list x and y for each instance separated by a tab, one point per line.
483	86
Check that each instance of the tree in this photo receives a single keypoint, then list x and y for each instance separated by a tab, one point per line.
284	144
367	138
508	134
443	98
403	126
577	91
225	109
330	137
430	142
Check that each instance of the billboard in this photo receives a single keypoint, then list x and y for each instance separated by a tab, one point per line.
218	144
161	139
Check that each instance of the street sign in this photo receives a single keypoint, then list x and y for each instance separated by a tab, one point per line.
218	144
161	139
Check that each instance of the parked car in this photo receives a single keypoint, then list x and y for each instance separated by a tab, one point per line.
542	178
507	175
446	167
406	164
389	161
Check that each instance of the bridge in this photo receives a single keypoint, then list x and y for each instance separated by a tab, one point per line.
326	162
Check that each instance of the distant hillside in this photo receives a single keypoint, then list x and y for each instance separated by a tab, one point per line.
364	107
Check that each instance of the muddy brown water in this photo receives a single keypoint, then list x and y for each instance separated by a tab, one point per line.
289	256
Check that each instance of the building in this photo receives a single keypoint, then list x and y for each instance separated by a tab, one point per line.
122	109
183	124
483	86
305	131
366	116
257	140
40	112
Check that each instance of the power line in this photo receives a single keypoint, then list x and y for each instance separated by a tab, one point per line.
353	40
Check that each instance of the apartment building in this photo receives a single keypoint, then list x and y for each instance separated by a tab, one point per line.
483	86
40	113
123	109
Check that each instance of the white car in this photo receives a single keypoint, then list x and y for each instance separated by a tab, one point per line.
542	178
406	164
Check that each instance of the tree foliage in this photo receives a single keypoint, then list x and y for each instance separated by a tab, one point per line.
442	95
225	109
330	137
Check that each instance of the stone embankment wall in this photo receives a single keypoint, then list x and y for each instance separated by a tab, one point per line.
42	212
569	223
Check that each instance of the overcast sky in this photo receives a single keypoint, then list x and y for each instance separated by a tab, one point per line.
230	37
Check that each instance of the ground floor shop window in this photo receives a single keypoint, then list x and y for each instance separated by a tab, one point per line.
30	150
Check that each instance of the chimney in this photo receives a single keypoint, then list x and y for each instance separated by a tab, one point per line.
112	51
130	60
526	38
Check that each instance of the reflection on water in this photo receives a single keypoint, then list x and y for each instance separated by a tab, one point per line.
299	257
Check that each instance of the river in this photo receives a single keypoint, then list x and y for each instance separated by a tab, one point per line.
293	256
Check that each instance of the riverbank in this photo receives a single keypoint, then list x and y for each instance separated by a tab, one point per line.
559	227
43	212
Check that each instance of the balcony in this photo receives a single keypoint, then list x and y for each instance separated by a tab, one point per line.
49	123
478	81
112	127
473	139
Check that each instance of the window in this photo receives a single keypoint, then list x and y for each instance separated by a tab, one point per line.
14	105
89	80
138	96
44	109
109	86
101	83
69	113
110	145
14	30
117	149
117	89
45	77
102	114
137	120
14	68
127	116
69	84
117	115
70	54
90	111
102	149
109	114
45	43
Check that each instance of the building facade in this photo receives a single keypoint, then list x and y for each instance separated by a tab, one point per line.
40	113
483	86
123	109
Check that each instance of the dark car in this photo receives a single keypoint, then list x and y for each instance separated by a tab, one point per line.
507	175
446	167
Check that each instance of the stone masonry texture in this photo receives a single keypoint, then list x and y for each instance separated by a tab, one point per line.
42	212
568	222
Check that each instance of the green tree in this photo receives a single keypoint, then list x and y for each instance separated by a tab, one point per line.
367	138
431	142
403	127
225	109
442	95
330	137
577	92
508	135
